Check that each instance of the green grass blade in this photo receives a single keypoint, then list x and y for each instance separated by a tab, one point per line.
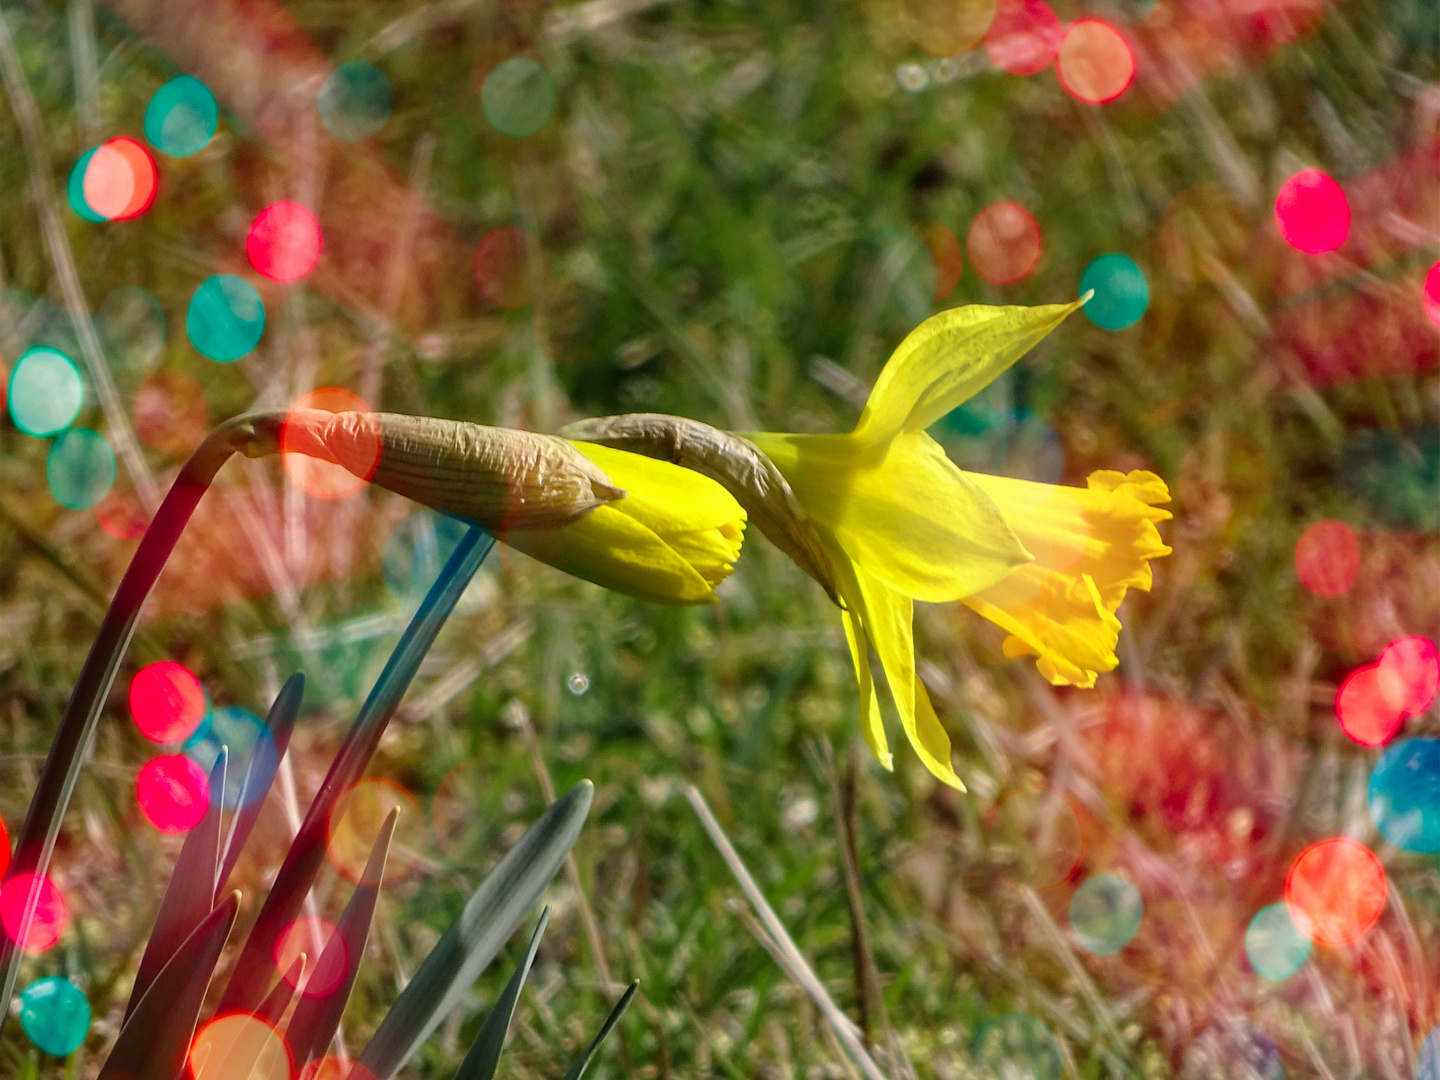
253	967
316	1018
577	1070
484	1055
156	1038
190	896
280	723
488	919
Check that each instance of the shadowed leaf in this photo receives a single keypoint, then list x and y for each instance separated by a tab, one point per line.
484	1055
190	895
317	1018
260	774
35	844
472	941
251	974
278	1000
155	1039
577	1070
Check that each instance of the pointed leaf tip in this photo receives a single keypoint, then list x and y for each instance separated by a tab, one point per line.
486	922
484	1056
577	1070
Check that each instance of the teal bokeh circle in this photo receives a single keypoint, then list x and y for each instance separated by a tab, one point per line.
55	1015
182	117
226	318
1275	946
355	101
519	98
80	469
45	391
1105	914
1121	291
75	188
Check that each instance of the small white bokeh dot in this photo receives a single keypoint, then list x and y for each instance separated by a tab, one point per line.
912	77
578	683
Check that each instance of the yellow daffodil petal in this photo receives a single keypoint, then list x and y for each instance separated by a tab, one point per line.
888	619
1091	545
665	497
672	538
946	360
619	553
903	511
872	726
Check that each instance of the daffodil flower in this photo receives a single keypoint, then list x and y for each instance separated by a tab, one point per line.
1050	564
636	525
882	518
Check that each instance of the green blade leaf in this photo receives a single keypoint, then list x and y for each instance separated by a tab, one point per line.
484	1055
577	1070
156	1038
488	919
190	895
251	974
317	1017
260	774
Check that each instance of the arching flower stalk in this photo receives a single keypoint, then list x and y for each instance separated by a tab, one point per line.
896	521
646	528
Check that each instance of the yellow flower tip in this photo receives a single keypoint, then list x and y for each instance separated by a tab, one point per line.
671	540
1086	298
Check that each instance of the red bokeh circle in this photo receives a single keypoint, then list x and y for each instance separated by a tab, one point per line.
1409	674
325	966
1365	707
47	923
1312	212
1431	294
173	793
1340	886
1327	558
284	241
167	702
1024	36
121	515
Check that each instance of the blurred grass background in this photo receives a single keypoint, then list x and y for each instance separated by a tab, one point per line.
729	210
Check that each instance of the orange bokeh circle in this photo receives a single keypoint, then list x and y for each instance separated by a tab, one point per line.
1003	243
1094	63
1340	886
326	479
238	1046
945	27
356	820
120	180
945	253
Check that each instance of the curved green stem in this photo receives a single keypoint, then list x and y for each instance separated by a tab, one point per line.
255	434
